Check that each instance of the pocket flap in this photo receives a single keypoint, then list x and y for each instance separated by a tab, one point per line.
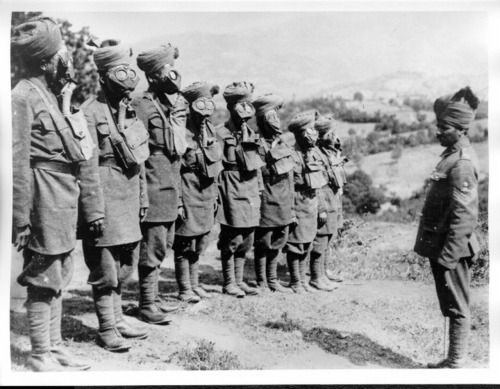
280	151
156	121
213	152
135	134
103	128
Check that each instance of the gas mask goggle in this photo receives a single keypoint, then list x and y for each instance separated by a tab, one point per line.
169	80
123	77
272	120
244	110
330	140
60	69
308	137
203	106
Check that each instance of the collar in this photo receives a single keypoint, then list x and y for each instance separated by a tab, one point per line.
462	143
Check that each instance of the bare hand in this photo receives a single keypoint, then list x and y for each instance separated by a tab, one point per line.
142	214
21	237
322	218
97	227
181	212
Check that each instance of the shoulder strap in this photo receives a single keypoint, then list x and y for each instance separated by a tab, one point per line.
57	118
465	154
113	128
168	135
158	108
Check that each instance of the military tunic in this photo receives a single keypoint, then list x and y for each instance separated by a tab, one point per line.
162	174
446	231
45	199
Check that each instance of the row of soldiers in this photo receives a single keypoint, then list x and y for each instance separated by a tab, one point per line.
133	178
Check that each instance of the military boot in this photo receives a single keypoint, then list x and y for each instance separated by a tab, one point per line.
148	311
38	313
186	294
230	287
272	272
125	329
316	265
457	349
260	269
328	273
62	355
293	268
108	337
302	274
163	305
239	270
194	277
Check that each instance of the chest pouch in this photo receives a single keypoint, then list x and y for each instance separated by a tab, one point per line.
211	158
72	130
247	154
131	144
313	175
282	161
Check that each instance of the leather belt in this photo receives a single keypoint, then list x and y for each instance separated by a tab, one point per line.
107	161
231	168
54	166
303	188
157	152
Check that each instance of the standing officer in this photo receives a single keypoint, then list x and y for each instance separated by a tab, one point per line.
276	210
46	189
112	255
449	217
309	206
162	109
201	165
239	187
333	203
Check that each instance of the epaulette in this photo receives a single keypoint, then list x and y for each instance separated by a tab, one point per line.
465	154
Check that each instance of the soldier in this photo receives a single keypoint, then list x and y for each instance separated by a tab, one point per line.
449	217
330	193
240	184
276	210
46	188
162	109
112	254
309	206
201	165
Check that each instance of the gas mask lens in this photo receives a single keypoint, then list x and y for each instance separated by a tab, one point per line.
245	110
123	74
204	106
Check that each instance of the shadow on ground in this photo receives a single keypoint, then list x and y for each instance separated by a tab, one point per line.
359	349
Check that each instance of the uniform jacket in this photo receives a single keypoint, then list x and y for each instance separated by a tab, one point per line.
450	212
199	192
330	195
124	190
238	189
307	202
162	169
44	199
278	195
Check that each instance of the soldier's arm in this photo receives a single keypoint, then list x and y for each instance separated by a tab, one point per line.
178	115
464	213
91	194
143	188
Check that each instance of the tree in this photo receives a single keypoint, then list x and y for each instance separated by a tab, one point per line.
358	96
397	153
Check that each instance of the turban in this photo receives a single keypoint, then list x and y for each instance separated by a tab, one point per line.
324	124
37	39
457	110
237	92
152	60
111	54
266	103
302	121
199	89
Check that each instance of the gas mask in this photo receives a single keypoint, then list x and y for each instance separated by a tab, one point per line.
272	122
307	137
330	141
243	110
167	80
121	79
203	106
59	70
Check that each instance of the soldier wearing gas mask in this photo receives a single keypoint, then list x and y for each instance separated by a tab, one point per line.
50	143
162	109
276	210
331	195
201	165
112	252
240	184
309	206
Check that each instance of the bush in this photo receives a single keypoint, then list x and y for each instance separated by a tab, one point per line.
360	195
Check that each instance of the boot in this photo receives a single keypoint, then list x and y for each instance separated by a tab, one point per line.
293	268
272	272
328	274
457	349
193	274
183	280
239	270
260	269
148	311
163	305
302	274
124	328
230	287
38	313
316	264
56	345
108	336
